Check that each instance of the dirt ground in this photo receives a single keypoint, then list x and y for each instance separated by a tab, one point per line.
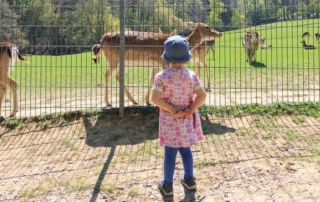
105	158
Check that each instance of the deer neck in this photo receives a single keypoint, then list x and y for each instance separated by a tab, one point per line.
304	44
194	39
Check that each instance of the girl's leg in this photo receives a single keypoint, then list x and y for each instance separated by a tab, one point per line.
169	164
187	160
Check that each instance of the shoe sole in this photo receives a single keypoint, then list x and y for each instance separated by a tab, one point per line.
165	193
194	187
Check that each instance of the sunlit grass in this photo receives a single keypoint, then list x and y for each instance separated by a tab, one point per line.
284	66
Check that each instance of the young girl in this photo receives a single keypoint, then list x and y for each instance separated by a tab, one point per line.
178	93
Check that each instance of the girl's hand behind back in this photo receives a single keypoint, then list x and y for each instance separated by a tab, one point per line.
188	113
176	113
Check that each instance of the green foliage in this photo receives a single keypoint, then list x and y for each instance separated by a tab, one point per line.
44	125
98	18
64	27
282	108
11	123
237	19
165	16
37	13
217	8
308	8
9	17
296	109
259	14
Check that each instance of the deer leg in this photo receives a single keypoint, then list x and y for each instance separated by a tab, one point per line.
155	70
255	54
3	90
250	55
14	88
197	67
107	76
126	91
207	76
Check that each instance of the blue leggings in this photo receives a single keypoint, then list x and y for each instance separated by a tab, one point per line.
169	164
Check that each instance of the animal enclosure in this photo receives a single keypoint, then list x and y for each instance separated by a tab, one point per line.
56	38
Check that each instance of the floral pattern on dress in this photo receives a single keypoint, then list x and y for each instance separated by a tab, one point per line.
177	86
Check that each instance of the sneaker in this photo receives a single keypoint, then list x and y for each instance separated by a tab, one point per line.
189	183
167	189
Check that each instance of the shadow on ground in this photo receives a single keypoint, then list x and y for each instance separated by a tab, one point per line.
137	126
258	64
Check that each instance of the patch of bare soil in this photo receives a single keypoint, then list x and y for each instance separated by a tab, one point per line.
107	158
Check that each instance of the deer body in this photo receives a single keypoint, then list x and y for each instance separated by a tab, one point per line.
251	43
144	49
306	46
8	55
198	58
317	35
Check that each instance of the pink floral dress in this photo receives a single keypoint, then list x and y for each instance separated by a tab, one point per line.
177	86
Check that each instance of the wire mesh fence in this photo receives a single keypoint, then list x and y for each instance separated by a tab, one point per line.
56	39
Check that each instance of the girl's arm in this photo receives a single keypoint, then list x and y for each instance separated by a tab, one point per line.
162	104
198	101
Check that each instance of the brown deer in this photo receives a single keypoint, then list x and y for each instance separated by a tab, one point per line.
251	42
307	47
9	53
96	47
198	58
144	49
317	36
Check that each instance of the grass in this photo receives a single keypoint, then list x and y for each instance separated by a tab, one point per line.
133	192
281	108
48	185
291	135
68	144
286	66
201	164
296	109
298	119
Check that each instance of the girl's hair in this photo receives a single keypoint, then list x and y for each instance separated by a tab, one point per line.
179	64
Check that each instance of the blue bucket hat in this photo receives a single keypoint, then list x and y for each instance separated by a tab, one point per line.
176	50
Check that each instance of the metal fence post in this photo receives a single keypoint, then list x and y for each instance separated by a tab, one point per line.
122	52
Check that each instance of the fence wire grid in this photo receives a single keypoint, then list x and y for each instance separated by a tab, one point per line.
56	39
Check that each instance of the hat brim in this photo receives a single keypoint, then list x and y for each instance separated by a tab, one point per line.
176	60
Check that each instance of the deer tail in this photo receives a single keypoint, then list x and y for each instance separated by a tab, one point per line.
97	52
21	59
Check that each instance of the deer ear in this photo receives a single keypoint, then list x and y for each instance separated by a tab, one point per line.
9	51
